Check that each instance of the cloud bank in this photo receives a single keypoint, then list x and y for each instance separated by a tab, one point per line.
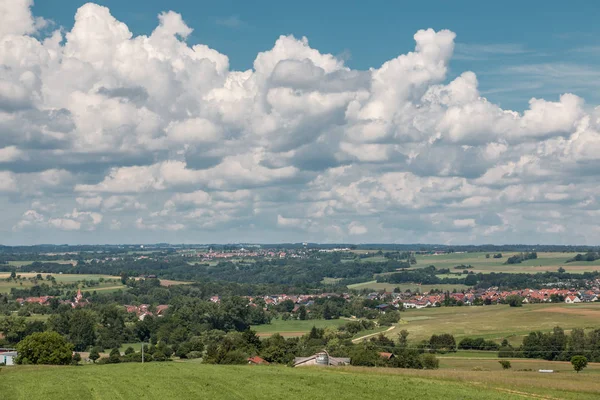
110	137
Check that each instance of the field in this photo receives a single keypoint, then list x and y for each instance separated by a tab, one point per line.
188	380
19	264
498	321
294	327
62	278
544	262
413	287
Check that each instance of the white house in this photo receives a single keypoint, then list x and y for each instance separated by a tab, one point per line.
572	299
8	357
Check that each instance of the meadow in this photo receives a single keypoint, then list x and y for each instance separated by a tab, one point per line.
403	287
293	327
544	262
496	322
190	380
112	283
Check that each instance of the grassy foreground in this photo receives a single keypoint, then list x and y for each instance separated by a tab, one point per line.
196	381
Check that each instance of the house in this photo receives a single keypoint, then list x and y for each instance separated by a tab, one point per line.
8	357
572	299
386	356
256	360
321	359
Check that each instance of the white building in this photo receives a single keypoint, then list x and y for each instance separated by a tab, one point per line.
8	357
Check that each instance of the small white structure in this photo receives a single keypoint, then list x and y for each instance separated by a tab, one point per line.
8	358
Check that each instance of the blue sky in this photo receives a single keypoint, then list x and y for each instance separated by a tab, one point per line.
517	48
199	122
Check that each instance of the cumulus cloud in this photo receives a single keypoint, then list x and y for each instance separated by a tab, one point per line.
299	147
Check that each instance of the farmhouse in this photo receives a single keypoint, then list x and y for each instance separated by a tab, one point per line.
322	359
256	360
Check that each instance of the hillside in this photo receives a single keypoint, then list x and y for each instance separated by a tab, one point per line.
195	381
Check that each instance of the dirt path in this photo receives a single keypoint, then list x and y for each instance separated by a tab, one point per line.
358	339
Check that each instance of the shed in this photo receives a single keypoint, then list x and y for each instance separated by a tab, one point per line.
8	358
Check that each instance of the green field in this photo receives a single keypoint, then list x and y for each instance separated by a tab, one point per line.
295	327
19	264
498	321
373	285
544	262
106	286
187	380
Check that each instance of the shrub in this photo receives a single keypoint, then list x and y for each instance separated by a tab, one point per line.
194	354
505	364
159	356
76	359
430	361
114	356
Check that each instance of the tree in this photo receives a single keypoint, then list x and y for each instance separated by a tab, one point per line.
302	313
94	354
82	330
44	348
514	300
114	356
579	363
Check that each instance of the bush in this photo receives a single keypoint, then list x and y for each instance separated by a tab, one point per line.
129	351
44	348
76	359
194	354
505	364
159	356
114	356
430	361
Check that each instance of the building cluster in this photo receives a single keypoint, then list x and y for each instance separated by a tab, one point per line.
489	296
143	310
77	301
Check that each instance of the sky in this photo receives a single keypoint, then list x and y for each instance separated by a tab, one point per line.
462	122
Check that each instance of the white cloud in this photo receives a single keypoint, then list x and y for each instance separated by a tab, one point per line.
300	146
355	228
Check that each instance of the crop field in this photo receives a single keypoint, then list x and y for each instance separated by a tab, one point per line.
190	380
498	321
544	262
413	287
294	327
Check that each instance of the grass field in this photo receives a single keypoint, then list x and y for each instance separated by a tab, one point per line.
19	264
373	285
294	327
544	262
62	278
187	380
498	321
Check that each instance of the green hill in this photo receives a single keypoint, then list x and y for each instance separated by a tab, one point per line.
188	380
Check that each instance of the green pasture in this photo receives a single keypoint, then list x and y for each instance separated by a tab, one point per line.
496	322
544	262
375	286
294	327
191	380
